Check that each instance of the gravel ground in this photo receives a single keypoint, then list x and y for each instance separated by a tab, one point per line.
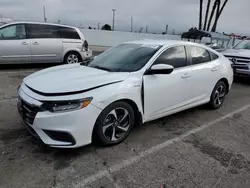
194	148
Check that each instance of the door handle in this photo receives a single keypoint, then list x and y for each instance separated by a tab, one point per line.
35	43
24	43
214	69
186	75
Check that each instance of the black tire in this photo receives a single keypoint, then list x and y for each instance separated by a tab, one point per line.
100	136
217	98
72	54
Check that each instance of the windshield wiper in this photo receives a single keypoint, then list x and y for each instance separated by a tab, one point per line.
102	68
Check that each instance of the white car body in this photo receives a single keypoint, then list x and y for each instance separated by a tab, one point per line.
153	96
35	42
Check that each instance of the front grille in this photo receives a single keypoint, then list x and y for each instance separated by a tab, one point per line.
239	60
28	112
244	67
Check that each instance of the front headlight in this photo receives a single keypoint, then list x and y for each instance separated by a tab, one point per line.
67	105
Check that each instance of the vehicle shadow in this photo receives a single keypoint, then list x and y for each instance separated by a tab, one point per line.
27	66
242	80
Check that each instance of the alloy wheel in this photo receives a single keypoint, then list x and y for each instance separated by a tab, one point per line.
219	95
72	58
116	124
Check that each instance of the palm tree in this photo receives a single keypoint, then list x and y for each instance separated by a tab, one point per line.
212	14
207	12
218	15
200	18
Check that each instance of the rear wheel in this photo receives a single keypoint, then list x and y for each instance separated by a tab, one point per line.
114	124
72	57
218	95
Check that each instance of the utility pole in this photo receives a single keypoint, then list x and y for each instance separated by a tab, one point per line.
98	25
146	29
113	28
131	24
166	29
44	14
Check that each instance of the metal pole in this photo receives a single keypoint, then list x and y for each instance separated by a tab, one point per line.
113	19
131	24
44	14
166	29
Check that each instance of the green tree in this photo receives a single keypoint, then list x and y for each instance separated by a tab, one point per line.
106	27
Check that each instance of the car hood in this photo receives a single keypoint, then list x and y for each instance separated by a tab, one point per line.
71	78
237	53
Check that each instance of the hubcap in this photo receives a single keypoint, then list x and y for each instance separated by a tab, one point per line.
219	95
116	124
72	59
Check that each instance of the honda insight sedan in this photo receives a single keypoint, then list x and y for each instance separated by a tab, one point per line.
70	106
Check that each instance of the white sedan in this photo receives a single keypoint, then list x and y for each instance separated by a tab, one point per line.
72	105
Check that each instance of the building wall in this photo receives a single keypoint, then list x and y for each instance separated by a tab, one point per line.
111	38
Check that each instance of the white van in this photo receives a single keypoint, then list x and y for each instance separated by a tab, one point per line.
32	42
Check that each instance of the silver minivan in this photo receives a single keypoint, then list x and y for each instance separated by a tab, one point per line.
31	42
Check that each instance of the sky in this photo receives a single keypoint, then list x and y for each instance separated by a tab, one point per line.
154	14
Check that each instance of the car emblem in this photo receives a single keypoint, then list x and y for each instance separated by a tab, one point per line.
234	60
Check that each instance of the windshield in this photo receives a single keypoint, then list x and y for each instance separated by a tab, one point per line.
243	45
125	57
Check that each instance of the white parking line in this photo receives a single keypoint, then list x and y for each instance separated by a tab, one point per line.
154	149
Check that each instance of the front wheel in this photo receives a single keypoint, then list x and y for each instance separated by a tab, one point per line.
218	95
114	124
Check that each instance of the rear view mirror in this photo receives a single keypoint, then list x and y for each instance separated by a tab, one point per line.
160	69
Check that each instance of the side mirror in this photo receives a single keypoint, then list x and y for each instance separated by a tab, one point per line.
160	69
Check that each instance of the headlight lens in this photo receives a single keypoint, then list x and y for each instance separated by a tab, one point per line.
67	105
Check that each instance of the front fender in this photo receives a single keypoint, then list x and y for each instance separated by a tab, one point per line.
119	91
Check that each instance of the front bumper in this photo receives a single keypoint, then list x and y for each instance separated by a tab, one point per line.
242	72
65	129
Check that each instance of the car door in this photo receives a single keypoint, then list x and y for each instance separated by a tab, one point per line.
166	92
205	67
14	47
46	44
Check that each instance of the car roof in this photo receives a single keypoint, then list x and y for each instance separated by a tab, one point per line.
164	42
41	23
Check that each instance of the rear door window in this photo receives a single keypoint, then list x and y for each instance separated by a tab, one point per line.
69	33
42	31
198	55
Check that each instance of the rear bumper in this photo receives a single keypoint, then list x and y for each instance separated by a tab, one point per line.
86	54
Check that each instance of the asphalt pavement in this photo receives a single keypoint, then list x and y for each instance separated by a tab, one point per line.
195	148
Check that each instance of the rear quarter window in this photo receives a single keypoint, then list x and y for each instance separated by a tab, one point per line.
213	56
69	33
